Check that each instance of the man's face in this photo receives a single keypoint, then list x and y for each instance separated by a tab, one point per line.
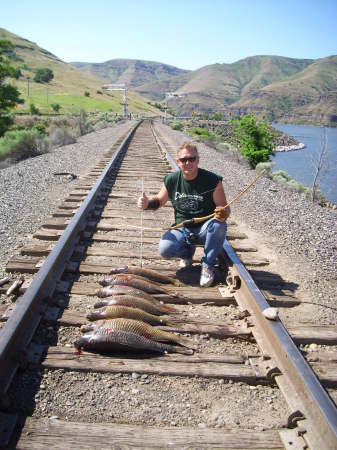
188	162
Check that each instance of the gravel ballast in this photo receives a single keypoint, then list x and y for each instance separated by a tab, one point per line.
30	192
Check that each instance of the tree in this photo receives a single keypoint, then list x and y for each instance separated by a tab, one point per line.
43	75
254	138
320	164
9	95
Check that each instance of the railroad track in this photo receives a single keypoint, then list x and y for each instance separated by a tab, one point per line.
98	226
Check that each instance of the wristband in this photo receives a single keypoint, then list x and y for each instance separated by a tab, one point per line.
154	203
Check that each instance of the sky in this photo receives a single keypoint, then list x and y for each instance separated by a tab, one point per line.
187	34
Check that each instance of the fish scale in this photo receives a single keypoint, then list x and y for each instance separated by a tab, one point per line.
152	307
127	312
125	340
135	326
152	275
135	281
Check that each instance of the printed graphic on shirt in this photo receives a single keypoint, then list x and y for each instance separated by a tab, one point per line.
189	203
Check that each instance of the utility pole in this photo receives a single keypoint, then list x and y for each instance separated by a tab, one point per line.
119	87
171	95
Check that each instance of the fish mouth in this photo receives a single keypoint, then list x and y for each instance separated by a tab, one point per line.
119	269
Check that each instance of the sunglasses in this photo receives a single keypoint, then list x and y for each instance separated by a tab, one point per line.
189	159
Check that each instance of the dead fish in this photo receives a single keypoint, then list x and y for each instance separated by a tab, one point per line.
135	281
135	326
127	312
120	289
151	306
146	273
108	340
15	286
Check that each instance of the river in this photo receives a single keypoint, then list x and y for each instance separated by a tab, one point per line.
300	164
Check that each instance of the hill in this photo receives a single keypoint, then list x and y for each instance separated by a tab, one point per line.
69	85
279	87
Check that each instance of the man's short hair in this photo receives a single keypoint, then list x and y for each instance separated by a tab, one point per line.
188	146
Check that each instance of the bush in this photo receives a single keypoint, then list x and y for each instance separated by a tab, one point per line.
177	126
59	136
55	107
43	75
202	133
99	92
254	138
87	94
34	111
41	128
22	144
267	167
83	124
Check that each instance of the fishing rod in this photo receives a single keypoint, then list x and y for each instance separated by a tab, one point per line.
197	220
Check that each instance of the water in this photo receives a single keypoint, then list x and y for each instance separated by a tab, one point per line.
300	164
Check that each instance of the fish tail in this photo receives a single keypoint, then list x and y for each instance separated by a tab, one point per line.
170	309
183	350
185	342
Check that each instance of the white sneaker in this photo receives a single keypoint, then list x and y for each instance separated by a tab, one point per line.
207	275
185	263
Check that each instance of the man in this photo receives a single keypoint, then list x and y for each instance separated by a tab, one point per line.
194	192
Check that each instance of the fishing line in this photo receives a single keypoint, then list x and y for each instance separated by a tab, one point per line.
141	227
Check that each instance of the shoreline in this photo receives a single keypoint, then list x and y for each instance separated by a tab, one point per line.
290	148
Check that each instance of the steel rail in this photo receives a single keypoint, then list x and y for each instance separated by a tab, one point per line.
22	323
296	379
308	394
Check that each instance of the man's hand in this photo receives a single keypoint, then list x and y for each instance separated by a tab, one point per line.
220	214
143	201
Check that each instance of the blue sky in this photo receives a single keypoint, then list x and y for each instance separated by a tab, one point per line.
188	34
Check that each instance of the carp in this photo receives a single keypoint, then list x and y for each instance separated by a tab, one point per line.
135	326
146	273
137	282
109	340
120	289
127	312
151	306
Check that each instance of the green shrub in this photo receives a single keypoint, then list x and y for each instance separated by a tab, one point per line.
22	144
281	174
99	92
217	116
41	128
201	133
254	138
87	94
61	135
34	110
83	123
177	126
43	75
267	167
55	107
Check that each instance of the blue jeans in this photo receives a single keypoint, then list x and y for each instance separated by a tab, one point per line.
211	234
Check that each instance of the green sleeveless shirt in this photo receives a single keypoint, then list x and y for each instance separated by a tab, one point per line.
192	198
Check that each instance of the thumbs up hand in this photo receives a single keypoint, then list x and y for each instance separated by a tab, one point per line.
143	201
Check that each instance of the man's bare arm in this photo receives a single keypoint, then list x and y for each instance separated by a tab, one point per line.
219	198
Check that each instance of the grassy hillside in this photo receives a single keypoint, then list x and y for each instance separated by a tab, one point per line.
306	96
68	85
131	71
